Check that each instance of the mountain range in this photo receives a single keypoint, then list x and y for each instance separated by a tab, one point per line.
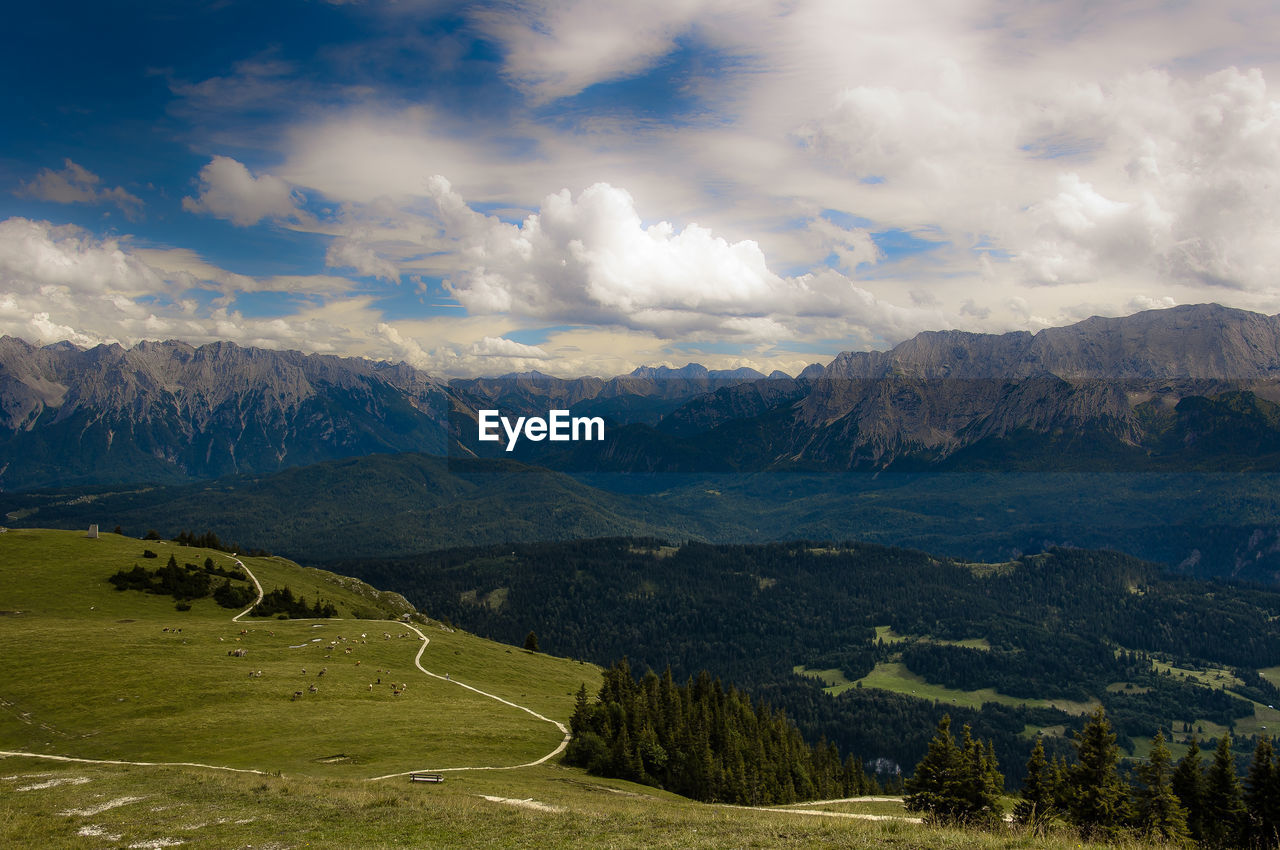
1162	387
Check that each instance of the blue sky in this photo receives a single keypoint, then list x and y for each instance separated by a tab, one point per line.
580	187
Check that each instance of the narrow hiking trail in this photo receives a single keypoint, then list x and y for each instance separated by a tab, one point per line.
823	813
417	662
257	585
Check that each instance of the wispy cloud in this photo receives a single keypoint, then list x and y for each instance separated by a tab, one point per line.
74	184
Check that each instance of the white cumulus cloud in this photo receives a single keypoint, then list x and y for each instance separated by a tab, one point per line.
228	190
591	259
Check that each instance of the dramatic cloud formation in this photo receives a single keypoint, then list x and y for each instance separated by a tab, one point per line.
574	186
557	49
591	261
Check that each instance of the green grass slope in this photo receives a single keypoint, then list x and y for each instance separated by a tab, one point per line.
97	673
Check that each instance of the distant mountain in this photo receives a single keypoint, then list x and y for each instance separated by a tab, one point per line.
1156	390
941	392
644	396
169	411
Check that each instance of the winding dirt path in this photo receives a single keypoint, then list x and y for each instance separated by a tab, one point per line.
825	814
417	662
254	579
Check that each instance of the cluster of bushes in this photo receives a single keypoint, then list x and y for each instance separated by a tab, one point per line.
1174	804
187	582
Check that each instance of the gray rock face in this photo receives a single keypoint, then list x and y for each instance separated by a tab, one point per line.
940	391
173	410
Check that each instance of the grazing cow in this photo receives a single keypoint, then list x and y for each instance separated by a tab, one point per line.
313	689
297	694
370	688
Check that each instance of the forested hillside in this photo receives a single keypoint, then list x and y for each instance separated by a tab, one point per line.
1029	643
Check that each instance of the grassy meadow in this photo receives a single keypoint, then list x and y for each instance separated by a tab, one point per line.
98	673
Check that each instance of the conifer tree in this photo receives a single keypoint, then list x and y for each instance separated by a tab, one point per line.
1098	802
956	784
1036	805
934	785
1261	796
1157	812
1224	811
1188	784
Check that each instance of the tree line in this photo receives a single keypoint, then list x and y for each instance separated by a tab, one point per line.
704	741
959	783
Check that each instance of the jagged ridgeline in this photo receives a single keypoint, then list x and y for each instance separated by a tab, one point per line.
895	636
1156	390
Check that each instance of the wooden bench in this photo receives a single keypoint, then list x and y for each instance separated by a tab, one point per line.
426	777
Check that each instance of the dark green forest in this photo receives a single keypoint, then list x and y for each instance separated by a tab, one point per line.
1066	624
704	741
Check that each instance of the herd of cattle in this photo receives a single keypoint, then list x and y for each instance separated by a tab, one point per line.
347	647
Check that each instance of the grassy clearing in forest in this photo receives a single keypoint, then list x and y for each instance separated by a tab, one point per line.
894	676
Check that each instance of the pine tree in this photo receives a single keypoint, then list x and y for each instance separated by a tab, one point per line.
1098	802
1188	784
956	784
1260	796
1036	805
1224	811
581	708
992	784
531	642
933	786
1158	814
